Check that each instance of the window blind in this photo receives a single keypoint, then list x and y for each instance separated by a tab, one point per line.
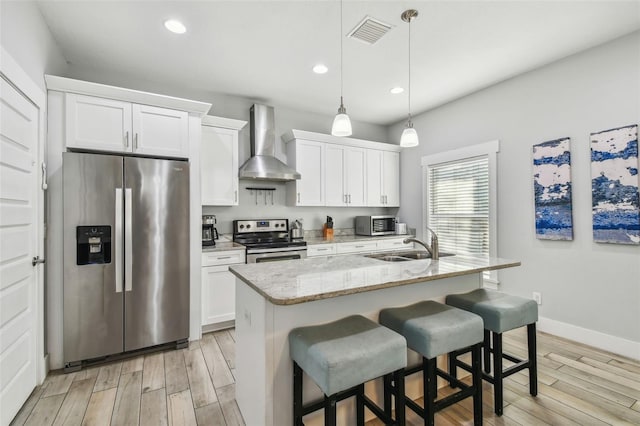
458	205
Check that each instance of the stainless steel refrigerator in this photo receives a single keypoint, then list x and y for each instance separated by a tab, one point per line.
126	254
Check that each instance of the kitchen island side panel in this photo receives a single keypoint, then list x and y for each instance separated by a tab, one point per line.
263	350
254	376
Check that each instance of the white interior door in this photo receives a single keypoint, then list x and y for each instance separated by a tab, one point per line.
18	245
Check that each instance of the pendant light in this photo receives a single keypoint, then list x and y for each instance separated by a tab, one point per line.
342	123
409	136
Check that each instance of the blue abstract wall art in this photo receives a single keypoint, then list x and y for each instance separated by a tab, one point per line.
552	189
614	184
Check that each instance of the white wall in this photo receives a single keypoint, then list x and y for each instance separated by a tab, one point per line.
583	284
238	108
25	35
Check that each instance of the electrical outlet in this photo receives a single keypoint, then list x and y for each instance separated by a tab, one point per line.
537	297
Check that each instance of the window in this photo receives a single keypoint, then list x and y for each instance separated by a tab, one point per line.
459	188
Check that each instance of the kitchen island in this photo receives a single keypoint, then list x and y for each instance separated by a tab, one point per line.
273	298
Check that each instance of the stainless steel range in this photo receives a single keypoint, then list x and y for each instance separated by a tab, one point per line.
267	240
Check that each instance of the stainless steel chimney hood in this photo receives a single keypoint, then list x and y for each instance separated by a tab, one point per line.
263	164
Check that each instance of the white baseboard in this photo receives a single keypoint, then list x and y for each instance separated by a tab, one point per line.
617	345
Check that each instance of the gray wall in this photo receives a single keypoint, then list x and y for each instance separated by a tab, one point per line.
593	286
286	119
26	37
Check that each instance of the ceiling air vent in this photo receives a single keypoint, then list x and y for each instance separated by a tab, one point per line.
369	30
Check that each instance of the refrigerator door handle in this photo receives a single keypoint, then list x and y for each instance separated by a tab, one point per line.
128	242
118	238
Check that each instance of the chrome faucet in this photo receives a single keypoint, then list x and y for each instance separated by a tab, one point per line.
433	250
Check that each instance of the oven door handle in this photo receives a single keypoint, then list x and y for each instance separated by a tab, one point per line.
277	250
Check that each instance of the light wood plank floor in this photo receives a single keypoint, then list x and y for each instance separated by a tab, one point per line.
578	385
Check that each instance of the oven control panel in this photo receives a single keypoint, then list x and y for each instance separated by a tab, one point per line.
262	225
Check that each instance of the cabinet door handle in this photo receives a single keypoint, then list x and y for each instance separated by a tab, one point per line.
44	176
385	200
135	141
349	198
126	139
298	197
345	198
235	196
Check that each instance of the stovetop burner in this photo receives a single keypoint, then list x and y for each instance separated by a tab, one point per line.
264	234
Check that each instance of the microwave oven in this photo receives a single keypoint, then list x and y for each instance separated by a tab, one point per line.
376	225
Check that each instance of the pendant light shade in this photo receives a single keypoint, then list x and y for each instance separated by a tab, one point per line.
409	136
342	123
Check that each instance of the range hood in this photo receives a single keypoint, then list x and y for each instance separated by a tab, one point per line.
263	164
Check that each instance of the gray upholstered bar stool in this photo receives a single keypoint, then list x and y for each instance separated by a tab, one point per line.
341	357
500	312
434	329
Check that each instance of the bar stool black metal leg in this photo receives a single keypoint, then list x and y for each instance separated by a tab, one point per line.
387	392
533	360
487	351
297	395
330	410
476	364
360	405
398	380
497	373
429	375
453	369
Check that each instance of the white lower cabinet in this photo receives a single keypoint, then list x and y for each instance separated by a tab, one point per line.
321	250
368	246
219	287
359	247
394	244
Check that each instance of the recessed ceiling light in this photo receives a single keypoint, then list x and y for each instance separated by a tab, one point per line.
175	26
396	90
320	69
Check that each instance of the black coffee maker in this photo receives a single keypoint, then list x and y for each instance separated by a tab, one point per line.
209	231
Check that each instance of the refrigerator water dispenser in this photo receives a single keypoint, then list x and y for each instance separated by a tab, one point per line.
93	245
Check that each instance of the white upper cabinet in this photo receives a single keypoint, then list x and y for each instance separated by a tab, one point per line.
391	178
345	175
115	126
160	131
374	178
334	176
342	171
98	124
308	159
219	161
383	178
98	117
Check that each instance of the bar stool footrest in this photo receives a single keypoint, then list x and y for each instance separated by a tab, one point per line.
518	366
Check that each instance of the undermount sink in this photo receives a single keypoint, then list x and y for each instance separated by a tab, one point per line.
389	258
405	255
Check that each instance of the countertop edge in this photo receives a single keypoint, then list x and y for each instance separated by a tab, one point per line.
329	295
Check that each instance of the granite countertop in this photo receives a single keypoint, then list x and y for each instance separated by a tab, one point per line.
298	281
223	246
352	238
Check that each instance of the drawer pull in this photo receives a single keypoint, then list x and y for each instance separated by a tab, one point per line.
223	257
324	249
360	246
